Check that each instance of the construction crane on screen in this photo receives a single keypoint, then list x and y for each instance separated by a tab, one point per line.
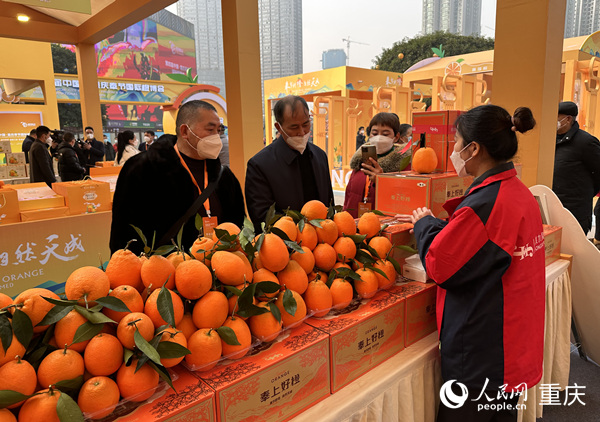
348	41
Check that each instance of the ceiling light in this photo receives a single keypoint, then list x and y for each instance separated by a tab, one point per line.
23	18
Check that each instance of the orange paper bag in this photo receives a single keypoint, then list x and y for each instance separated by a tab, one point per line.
9	206
84	196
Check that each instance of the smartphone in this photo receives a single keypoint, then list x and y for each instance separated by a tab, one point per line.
368	151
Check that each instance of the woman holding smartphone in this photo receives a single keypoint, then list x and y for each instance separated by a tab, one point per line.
380	154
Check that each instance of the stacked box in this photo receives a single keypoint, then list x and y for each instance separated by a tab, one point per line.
105	171
439	130
401	193
366	334
420	314
13	158
35	196
16	171
278	381
399	234
44	214
552	241
85	196
5	147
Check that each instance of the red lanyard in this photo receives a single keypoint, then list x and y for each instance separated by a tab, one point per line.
207	202
367	187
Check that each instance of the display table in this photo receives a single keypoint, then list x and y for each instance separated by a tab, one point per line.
403	388
406	387
557	344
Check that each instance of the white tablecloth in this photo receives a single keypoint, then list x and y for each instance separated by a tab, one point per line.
406	387
557	344
403	388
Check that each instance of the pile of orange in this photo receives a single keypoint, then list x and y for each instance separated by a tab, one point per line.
222	296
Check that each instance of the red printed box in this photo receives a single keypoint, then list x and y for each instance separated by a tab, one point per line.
278	381
552	240
439	130
420	308
194	401
401	193
399	234
363	338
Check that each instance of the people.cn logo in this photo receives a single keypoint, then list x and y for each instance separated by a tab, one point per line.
451	400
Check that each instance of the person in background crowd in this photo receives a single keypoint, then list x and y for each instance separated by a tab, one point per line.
576	166
109	151
224	154
27	144
385	132
127	145
93	149
148	141
290	171
360	137
488	262
405	133
155	189
54	147
69	167
40	161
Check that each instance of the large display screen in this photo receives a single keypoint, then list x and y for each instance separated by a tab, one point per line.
146	50
131	116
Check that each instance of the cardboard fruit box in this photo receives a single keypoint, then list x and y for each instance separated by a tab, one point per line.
35	196
552	240
368	334
399	234
401	193
105	163
16	171
85	196
104	171
9	206
44	214
420	316
15	158
193	401
275	383
439	130
5	147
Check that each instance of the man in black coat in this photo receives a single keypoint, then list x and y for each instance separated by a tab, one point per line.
40	161
155	189
109	151
148	141
27	142
69	167
290	171
92	148
576	166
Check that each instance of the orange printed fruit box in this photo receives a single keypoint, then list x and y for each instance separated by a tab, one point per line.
552	241
362	337
15	158
9	206
44	214
111	179
420	308
5	147
104	171
439	130
399	234
36	196
85	196
401	193
193	401
278	381
16	171
105	163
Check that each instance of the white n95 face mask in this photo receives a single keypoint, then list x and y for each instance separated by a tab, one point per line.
382	143
297	142
459	163
209	147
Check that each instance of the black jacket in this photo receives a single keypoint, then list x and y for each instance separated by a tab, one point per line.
577	173
40	164
273	176
95	153
109	151
154	190
69	167
27	146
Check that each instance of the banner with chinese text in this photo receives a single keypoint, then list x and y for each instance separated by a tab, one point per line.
44	253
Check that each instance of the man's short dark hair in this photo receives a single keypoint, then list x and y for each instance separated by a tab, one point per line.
32	131
149	132
188	110
290	100
68	137
42	130
88	127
